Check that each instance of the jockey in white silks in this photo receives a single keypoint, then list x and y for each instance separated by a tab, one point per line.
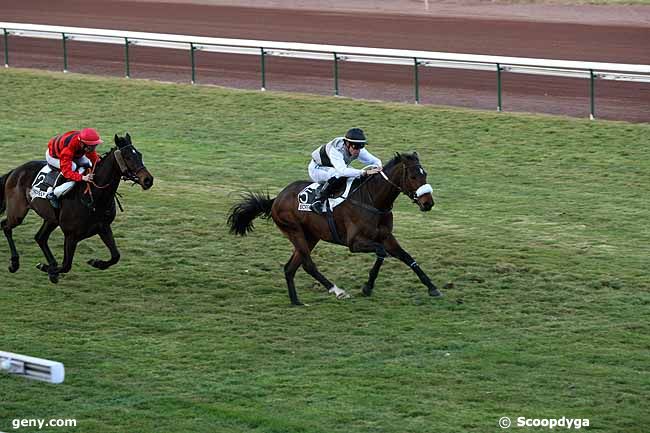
331	162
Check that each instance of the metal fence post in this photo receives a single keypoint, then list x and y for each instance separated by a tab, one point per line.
417	80
263	60
592	112
6	48
499	105
192	49
65	54
336	75
126	57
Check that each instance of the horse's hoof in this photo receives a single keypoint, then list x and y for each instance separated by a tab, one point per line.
435	293
366	291
99	264
54	278
13	267
339	293
43	267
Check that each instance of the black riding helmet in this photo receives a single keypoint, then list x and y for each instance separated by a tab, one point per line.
356	138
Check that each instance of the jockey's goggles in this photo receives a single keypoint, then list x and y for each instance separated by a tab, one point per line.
356	144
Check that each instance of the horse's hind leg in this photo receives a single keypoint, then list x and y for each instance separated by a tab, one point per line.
310	267
41	238
15	258
107	237
289	274
304	246
302	255
15	216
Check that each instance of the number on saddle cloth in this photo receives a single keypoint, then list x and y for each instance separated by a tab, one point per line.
46	178
308	194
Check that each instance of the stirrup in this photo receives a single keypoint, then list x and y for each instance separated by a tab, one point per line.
54	201
317	207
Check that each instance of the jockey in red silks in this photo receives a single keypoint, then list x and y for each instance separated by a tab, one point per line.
72	152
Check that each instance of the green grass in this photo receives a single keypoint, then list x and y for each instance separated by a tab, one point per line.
540	229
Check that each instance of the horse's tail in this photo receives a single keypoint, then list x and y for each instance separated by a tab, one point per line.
250	207
3	205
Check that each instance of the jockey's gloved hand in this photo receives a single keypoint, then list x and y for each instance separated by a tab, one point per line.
371	170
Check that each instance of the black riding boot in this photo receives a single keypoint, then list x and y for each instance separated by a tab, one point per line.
54	200
322	195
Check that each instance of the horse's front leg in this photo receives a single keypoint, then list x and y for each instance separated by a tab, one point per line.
106	234
368	246
41	239
394	249
69	248
374	271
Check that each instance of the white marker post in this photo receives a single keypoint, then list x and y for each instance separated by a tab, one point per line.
32	368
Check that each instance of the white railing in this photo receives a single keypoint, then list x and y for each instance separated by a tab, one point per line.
335	53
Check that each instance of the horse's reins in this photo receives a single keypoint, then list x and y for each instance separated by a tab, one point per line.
124	170
372	208
88	190
412	195
364	205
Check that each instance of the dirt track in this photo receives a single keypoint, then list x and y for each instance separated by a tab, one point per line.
614	34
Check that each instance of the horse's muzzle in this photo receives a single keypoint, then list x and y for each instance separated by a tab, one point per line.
145	179
425	202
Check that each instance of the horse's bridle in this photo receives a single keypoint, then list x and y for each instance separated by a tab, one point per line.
424	189
127	174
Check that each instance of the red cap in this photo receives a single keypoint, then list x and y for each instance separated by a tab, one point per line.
90	137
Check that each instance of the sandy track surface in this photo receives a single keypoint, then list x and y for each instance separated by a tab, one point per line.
590	33
469	9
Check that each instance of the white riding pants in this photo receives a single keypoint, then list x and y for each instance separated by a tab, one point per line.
320	174
81	162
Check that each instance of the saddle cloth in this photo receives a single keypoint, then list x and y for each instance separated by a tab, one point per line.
46	178
306	196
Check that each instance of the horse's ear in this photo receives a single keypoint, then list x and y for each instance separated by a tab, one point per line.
128	138
117	139
416	154
398	156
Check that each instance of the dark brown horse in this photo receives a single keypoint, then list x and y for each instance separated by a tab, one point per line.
364	222
82	213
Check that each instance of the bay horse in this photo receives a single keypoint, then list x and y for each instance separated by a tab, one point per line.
363	222
82	214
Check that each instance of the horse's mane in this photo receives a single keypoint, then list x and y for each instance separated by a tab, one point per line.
401	157
103	156
111	150
120	142
397	159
